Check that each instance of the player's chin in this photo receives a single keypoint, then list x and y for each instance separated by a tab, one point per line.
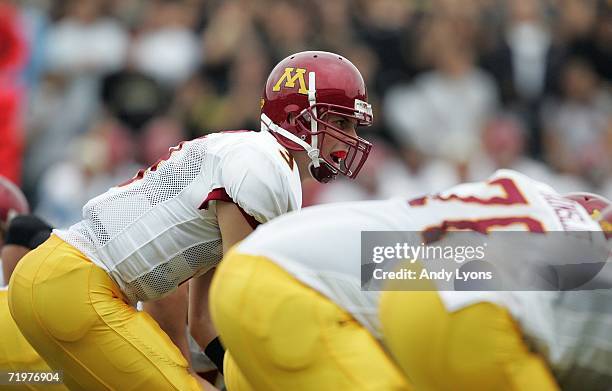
335	164
325	173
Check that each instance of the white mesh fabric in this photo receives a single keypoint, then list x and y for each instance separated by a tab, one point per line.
149	235
165	277
111	212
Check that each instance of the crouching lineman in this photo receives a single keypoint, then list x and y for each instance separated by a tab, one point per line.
19	233
72	296
512	340
288	304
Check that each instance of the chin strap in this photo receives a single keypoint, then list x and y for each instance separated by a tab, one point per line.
311	149
324	173
268	126
318	168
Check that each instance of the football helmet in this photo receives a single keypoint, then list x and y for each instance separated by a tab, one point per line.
598	207
12	201
299	95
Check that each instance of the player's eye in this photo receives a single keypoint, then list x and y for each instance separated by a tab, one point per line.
341	123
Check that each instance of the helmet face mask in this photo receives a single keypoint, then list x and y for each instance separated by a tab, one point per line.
357	149
301	93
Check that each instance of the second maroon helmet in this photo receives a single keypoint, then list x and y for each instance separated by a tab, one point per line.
598	207
12	201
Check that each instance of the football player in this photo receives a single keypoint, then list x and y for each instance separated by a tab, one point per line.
19	233
72	297
288	300
514	340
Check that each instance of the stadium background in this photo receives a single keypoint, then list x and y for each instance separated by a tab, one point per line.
92	90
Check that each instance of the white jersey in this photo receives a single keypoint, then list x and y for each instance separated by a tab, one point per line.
160	229
321	246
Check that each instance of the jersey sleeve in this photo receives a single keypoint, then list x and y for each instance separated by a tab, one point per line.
257	183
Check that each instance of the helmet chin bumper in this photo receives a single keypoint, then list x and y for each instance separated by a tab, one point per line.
324	173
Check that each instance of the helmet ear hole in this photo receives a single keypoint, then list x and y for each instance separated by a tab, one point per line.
291	118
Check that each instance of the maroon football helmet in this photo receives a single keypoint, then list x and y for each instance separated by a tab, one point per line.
598	207
300	93
12	201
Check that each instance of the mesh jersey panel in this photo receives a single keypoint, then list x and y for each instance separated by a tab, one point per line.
126	230
150	235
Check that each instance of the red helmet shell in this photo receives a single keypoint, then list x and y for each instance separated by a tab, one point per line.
12	200
338	82
340	90
592	203
598	207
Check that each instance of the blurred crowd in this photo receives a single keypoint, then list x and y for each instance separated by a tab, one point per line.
92	90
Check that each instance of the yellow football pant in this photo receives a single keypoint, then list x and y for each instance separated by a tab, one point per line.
74	315
479	347
286	336
16	354
233	378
